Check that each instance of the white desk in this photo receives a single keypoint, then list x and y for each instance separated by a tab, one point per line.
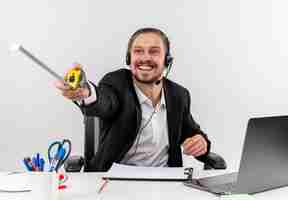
84	186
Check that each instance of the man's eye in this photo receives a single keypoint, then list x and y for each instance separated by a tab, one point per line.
154	52
138	51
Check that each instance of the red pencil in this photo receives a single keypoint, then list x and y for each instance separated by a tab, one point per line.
105	181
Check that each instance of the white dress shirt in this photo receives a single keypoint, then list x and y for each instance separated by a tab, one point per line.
153	143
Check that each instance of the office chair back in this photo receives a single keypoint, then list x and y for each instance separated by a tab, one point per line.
91	140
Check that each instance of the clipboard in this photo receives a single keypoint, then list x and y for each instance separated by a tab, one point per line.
137	173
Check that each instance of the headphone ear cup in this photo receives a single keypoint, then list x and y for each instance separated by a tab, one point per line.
128	60
168	60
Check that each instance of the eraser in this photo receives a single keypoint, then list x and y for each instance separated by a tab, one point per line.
15	47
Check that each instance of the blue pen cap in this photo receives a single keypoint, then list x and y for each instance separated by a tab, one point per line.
38	159
42	164
35	163
27	164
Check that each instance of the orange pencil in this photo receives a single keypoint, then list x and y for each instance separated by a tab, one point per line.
103	185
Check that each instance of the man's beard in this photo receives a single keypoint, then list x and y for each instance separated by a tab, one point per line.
150	81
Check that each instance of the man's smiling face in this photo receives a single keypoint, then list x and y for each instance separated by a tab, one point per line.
147	58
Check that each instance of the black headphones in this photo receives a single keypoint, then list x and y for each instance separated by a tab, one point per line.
168	58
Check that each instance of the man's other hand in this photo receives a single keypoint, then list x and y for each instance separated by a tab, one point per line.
195	146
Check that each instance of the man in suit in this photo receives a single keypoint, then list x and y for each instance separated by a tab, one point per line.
144	117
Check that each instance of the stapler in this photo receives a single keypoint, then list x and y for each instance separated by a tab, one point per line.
74	164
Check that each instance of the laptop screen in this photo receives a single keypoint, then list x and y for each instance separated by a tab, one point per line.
264	161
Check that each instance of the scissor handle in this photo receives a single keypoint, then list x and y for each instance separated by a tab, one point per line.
67	154
50	148
60	148
69	149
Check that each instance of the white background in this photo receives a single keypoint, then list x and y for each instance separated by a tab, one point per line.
231	55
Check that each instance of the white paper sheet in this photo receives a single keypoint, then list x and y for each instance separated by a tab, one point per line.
119	171
14	182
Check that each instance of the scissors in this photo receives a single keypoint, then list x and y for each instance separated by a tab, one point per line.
58	152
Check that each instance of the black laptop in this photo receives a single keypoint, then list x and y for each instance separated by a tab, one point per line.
264	161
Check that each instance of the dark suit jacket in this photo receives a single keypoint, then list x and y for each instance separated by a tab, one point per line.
120	115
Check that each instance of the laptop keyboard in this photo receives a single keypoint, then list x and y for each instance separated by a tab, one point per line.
221	184
226	186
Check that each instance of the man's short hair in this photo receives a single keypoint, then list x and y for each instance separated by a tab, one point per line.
162	35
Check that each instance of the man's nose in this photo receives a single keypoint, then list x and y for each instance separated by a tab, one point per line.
146	56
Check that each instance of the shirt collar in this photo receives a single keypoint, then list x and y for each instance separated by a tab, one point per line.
144	99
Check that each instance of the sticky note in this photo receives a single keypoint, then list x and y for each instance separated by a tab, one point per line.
237	197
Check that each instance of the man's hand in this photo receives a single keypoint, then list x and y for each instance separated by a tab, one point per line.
195	146
74	95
